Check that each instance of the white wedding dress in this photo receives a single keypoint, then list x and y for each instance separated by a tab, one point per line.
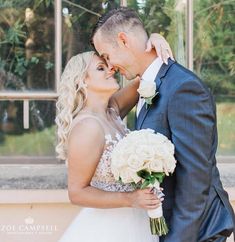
109	225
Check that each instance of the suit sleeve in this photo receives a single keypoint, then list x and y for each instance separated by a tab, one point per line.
192	119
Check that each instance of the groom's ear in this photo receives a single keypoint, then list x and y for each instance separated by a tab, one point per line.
122	39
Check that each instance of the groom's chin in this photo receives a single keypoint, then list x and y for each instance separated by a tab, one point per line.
129	77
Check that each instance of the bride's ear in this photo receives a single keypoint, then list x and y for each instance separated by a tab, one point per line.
122	39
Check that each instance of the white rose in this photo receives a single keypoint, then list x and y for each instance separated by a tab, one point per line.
156	166
145	153
134	176
135	162
147	89
126	175
170	164
115	172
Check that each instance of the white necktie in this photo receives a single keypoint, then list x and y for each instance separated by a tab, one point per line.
140	104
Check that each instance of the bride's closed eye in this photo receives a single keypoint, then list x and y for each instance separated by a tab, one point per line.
100	68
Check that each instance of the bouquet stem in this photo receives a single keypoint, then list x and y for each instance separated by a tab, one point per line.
158	226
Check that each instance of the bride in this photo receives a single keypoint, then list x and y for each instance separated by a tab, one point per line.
90	112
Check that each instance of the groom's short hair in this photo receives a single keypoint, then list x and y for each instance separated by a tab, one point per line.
118	20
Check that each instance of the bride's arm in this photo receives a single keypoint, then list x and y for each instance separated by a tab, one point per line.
86	144
126	98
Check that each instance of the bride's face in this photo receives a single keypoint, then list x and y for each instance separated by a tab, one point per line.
100	78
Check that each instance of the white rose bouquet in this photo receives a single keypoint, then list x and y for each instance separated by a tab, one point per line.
143	157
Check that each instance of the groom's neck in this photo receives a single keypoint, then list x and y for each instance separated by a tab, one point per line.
146	59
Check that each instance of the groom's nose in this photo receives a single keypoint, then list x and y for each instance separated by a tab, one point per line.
111	72
111	67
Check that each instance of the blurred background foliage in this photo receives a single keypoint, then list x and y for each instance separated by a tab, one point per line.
27	54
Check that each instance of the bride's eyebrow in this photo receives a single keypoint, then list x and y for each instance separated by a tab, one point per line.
101	63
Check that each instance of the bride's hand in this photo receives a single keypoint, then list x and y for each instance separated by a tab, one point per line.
161	46
144	198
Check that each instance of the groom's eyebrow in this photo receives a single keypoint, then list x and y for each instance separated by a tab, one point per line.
103	55
103	58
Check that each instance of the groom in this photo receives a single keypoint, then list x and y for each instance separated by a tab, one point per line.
196	206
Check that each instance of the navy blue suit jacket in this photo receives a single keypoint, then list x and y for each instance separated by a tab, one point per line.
196	206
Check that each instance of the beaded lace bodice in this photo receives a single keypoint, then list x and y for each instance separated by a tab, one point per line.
103	177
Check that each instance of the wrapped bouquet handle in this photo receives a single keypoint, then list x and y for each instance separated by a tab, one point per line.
157	221
158	224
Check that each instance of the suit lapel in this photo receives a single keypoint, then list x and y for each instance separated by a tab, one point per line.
144	111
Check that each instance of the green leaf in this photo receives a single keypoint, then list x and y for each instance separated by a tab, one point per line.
145	184
144	174
49	65
34	60
159	176
152	180
148	100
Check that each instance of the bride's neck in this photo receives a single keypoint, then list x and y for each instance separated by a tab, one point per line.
96	105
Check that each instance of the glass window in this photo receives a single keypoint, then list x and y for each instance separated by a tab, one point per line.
214	62
27	45
38	140
166	17
27	63
79	17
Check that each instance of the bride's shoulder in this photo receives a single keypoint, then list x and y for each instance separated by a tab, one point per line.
86	129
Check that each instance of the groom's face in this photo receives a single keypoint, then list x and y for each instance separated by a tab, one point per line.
117	56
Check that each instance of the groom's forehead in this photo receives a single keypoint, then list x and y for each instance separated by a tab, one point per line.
97	39
100	45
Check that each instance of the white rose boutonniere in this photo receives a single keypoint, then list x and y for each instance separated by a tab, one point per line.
147	90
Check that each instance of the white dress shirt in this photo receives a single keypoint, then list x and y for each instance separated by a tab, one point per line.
150	75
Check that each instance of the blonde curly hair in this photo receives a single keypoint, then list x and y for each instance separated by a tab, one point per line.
72	98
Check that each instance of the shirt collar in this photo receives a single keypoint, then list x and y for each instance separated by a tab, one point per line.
152	70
